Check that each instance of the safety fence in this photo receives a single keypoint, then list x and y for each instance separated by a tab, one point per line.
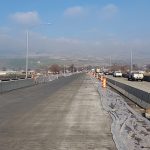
48	78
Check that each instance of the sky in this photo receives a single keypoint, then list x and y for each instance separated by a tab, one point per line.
79	28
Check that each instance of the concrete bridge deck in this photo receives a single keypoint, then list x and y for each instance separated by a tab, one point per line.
65	114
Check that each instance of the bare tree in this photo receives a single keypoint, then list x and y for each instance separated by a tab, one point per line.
4	69
123	68
55	68
148	68
135	67
72	68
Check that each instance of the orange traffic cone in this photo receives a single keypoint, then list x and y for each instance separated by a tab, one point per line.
104	82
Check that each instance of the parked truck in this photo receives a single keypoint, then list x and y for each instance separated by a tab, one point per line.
97	70
117	74
135	76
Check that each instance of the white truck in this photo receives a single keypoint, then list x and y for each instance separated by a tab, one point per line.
97	70
117	74
135	76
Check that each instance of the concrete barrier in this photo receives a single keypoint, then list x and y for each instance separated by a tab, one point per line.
7	86
147	78
142	98
16	84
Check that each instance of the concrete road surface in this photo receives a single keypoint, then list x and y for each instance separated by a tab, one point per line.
64	114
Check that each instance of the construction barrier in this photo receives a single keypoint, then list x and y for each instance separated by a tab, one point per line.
147	113
101	78
97	76
104	82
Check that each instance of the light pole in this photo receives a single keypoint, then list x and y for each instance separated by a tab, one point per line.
110	60
110	63
73	68
27	53
64	69
27	48
131	67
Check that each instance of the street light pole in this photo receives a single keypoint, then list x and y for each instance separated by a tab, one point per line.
64	69
110	61
131	67
27	49
27	52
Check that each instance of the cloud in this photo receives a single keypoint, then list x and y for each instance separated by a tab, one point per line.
68	40
92	30
15	47
109	11
74	11
65	46
4	30
26	18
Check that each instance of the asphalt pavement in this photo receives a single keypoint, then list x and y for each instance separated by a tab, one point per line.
65	114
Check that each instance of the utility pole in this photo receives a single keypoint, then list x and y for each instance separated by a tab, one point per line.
64	69
110	61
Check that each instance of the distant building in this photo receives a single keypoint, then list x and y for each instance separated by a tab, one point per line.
3	72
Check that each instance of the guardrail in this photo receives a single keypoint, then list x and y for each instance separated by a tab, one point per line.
142	98
147	78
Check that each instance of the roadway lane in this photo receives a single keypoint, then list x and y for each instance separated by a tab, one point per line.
65	114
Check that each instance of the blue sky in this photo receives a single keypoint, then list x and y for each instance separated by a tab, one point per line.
90	26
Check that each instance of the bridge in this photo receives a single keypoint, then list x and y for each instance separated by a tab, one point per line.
70	113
